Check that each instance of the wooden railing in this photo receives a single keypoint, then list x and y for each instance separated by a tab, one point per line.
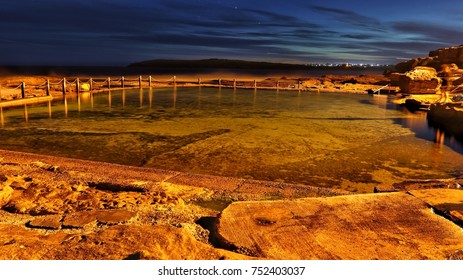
75	85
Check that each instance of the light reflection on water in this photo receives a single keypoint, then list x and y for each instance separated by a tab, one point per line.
335	140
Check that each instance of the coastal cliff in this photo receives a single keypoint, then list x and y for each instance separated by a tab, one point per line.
435	59
427	75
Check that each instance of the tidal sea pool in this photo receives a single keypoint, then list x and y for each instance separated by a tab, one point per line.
347	141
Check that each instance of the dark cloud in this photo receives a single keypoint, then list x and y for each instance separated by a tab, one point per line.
123	31
350	17
358	36
431	32
224	41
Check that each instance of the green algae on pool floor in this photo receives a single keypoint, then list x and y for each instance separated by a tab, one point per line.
346	141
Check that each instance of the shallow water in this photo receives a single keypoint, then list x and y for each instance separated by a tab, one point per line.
344	141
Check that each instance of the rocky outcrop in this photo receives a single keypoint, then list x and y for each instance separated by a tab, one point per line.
57	208
420	80
5	194
435	59
449	55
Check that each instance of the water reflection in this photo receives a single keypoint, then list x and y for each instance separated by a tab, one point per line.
291	136
123	98
49	110
200	92
380	100
254	100
109	100
92	102
66	109
416	121
151	98
219	92
426	129
440	137
174	94
234	97
26	114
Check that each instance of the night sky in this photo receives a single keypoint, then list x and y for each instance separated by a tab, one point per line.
119	32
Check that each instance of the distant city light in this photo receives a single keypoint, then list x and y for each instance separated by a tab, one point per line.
348	65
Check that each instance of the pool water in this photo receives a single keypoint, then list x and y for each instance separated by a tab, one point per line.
353	142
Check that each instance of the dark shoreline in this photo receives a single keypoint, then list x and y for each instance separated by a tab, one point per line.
9	70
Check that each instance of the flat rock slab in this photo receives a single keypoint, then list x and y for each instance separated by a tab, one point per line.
79	219
46	222
373	226
114	217
108	217
445	200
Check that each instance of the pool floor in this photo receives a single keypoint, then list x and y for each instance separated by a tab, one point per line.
353	142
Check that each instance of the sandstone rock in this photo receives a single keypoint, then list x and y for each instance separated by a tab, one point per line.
5	195
458	82
40	164
373	226
45	166
61	197
137	242
21	206
19	243
114	217
79	219
452	67
84	87
18	182
421	79
408	65
46	222
422	73
445	200
140	255
3	178
435	60
394	78
449	55
457	255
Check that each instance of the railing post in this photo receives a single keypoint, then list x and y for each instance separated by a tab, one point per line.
122	82
149	81
278	84
64	86
255	84
47	89
234	83
77	85
109	82
139	82
23	89
90	81
220	82
175	80
199	81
